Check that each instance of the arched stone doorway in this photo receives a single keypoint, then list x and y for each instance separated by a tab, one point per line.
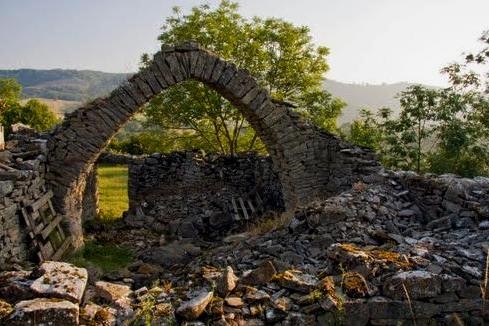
310	162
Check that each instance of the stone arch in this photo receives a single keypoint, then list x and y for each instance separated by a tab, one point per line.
302	155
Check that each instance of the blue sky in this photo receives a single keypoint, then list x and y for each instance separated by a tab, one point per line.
371	41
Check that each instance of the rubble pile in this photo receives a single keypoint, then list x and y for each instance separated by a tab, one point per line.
372	255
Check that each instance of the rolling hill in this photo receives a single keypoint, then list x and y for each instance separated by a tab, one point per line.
61	84
359	96
65	90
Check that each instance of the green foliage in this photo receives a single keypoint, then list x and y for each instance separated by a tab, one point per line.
367	131
408	135
33	113
10	91
112	187
278	54
105	257
440	131
469	74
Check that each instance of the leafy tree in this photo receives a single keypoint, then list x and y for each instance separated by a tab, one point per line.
407	136
10	91
278	54
464	76
368	130
462	132
437	131
34	113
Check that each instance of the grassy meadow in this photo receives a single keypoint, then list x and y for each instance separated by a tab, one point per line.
112	187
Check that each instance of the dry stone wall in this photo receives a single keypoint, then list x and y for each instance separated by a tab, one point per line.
310	163
188	194
22	181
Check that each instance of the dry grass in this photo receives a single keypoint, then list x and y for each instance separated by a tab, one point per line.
485	285
354	284
457	320
269	222
410	303
378	255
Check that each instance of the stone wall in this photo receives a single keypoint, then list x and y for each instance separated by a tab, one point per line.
191	195
309	163
21	182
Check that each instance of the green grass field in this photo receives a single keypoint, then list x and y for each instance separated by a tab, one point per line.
112	187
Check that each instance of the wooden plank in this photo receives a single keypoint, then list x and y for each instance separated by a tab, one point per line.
259	200
26	217
243	207
47	250
43	223
40	202
53	212
38	229
62	249
60	230
30	221
34	216
234	205
235	208
251	206
48	229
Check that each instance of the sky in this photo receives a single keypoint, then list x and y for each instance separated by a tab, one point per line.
371	41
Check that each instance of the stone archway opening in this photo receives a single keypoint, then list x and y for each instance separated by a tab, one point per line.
310	163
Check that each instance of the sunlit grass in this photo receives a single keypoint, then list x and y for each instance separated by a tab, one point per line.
112	183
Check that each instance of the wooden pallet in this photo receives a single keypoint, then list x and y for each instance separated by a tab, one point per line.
245	209
45	228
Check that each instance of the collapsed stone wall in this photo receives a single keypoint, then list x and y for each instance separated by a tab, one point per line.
447	199
21	182
191	195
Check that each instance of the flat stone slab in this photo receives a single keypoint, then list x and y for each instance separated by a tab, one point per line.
297	281
15	286
111	291
60	280
261	275
192	309
44	311
418	284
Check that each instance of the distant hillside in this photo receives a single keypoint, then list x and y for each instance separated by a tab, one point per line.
59	106
77	86
68	85
359	96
